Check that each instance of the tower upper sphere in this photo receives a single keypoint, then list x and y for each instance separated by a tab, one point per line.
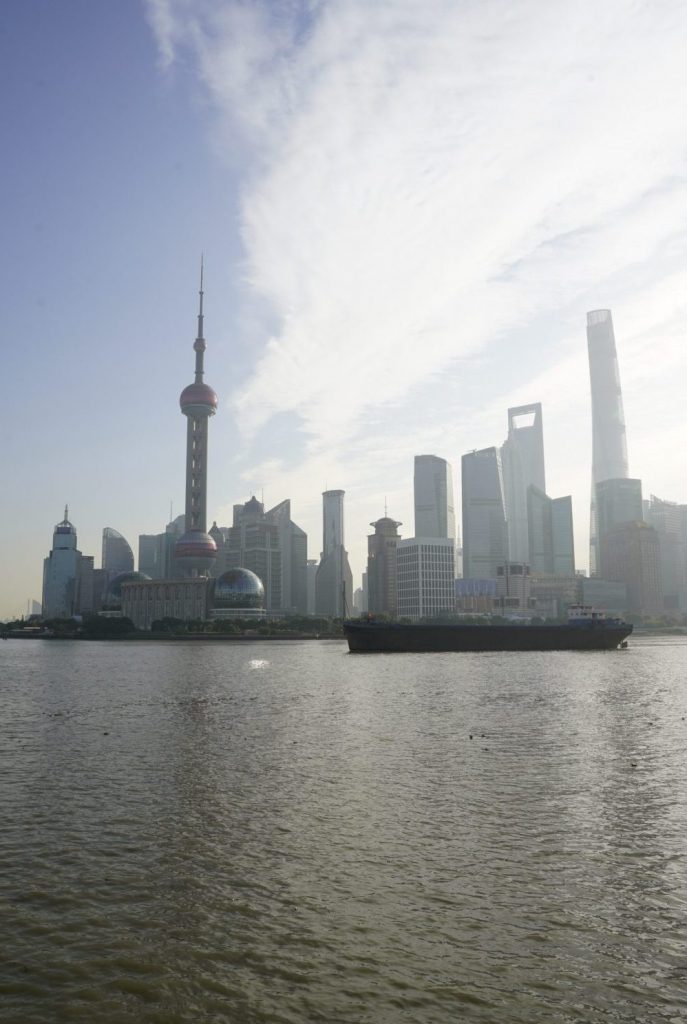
198	399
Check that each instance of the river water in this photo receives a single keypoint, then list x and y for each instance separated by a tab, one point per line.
283	832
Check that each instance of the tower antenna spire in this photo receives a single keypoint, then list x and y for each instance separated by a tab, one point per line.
199	345
200	296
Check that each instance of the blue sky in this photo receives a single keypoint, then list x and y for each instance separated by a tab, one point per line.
110	192
406	210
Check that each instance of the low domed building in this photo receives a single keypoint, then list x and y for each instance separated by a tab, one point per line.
238	594
145	601
112	600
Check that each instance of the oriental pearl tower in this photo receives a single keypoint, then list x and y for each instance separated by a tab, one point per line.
196	551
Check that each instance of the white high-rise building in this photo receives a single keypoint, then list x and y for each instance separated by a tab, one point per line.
425	574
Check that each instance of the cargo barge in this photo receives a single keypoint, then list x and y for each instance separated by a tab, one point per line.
585	630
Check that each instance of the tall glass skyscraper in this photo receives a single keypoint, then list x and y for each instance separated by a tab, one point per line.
522	457
62	571
669	520
550	526
563	536
117	555
609	443
485	533
334	581
540	528
618	502
435	514
332	520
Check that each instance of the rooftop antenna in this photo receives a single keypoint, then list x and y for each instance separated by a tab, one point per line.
199	345
385	510
200	293
171	511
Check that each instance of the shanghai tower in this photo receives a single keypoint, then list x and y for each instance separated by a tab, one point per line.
609	444
196	551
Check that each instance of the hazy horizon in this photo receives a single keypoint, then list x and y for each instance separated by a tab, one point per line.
406	212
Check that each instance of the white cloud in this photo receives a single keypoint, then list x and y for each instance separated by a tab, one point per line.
423	182
163	18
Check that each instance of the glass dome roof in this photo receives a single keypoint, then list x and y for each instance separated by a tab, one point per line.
114	591
239	588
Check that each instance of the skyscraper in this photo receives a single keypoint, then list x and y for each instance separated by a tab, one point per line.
253	543
631	555
156	551
310	581
425	576
381	566
64	571
609	442
293	542
332	520
551	538
667	519
298	560
334	579
540	528
272	546
522	458
435	514
117	555
618	502
563	536
485	536
196	551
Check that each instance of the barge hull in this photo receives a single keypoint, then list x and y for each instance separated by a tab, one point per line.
371	638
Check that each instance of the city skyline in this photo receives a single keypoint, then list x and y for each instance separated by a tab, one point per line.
339	352
523	450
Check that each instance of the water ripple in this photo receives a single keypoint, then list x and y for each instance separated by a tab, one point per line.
197	833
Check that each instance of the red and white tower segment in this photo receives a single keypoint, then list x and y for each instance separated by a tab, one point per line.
196	550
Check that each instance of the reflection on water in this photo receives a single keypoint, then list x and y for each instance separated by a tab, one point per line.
198	833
